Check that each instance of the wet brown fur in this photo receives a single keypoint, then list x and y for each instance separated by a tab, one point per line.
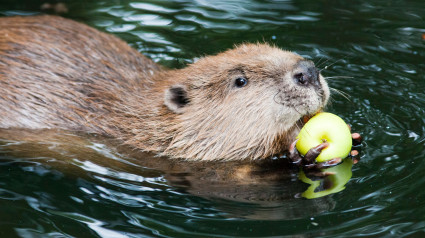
57	73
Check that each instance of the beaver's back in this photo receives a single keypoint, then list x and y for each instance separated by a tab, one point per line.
52	71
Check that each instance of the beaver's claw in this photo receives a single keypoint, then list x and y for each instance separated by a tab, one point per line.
357	141
309	159
308	162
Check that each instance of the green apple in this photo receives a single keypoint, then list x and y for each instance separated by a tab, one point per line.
325	127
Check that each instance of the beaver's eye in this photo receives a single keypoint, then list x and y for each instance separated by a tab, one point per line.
241	82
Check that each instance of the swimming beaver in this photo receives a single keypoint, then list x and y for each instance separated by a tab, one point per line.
245	103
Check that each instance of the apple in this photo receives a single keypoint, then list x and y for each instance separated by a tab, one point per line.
325	127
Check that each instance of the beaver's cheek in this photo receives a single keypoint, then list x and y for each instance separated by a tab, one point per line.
324	90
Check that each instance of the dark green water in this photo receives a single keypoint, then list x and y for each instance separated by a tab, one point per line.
84	189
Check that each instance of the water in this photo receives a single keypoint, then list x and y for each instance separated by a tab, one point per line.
58	184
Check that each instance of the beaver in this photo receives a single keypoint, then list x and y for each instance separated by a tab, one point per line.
246	103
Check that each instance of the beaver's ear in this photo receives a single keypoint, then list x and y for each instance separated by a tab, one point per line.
176	98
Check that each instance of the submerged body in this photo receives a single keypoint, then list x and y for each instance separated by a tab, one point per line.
245	103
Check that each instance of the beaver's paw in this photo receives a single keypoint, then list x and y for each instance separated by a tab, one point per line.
308	161
357	142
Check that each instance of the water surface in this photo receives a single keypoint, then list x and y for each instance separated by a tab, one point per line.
69	185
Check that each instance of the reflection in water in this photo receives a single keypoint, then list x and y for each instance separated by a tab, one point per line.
330	184
266	190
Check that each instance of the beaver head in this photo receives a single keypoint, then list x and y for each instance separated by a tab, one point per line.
247	102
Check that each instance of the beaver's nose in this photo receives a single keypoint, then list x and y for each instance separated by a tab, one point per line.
306	73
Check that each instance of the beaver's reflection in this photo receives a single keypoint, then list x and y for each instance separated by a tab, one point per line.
266	190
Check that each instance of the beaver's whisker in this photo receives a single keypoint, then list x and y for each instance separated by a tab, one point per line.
327	66
274	97
339	77
342	93
299	121
319	62
298	124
